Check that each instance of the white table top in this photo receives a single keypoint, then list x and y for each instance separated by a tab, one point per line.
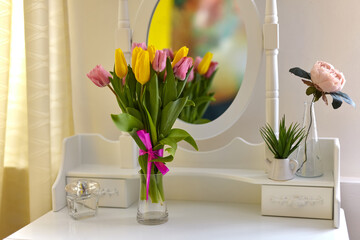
187	220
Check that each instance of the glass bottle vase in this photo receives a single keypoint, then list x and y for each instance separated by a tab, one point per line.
152	211
308	153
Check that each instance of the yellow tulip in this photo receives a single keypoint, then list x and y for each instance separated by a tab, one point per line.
134	56
142	67
182	52
121	68
152	50
205	63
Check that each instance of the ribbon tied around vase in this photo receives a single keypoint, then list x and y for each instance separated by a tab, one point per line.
152	154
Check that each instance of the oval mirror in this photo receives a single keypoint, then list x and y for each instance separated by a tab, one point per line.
205	26
244	19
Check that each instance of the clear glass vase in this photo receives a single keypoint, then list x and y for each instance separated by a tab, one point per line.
152	211
308	153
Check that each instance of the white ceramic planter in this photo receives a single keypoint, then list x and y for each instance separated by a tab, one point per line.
281	169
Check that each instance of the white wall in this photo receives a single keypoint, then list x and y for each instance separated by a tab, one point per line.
310	30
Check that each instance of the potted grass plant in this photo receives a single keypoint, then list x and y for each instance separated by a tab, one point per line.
281	167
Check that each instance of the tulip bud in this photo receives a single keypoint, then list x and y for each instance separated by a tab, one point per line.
121	68
159	62
134	56
169	53
211	69
182	67
191	75
140	45
142	67
99	76
181	53
152	50
205	63
197	61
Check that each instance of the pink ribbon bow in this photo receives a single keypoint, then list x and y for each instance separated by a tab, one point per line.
145	138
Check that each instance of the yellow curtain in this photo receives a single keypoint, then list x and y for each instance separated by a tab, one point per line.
35	106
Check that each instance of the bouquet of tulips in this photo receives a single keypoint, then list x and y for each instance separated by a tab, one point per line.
197	89
150	94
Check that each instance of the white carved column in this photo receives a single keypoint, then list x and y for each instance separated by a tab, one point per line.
271	46
123	33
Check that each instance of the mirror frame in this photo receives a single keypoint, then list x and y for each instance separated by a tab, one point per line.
254	38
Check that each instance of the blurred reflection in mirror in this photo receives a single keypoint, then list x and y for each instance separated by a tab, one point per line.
205	26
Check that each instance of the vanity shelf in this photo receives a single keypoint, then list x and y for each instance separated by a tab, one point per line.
242	175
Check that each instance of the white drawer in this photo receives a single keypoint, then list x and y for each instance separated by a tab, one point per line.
294	201
115	192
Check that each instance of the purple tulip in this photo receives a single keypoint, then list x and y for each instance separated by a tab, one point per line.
159	62
182	67
141	45
99	76
211	69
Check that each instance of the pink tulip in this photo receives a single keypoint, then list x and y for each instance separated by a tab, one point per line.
197	62
159	62
99	76
211	69
191	75
182	67
141	45
169	53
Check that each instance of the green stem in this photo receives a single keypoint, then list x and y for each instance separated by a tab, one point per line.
121	104
307	135
156	189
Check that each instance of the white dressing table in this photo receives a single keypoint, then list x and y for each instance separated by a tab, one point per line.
218	194
187	220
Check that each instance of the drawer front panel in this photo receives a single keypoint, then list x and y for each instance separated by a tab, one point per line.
294	201
115	192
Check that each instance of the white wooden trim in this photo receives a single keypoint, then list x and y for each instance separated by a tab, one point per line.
271	46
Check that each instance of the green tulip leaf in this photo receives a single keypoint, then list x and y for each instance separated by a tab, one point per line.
170	113
163	159
136	138
153	133
125	122
153	98
178	135
182	83
134	112
169	90
201	121
143	160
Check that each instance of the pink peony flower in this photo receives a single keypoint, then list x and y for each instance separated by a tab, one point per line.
326	78
141	45
182	67
99	76
159	62
211	69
